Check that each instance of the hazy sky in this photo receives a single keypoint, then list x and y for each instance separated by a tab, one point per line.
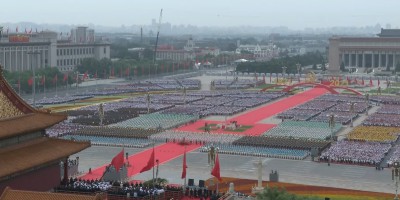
295	14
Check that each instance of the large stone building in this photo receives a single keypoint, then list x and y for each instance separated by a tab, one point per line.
377	52
52	50
260	52
189	52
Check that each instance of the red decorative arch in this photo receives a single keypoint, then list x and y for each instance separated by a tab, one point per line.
291	87
331	89
272	86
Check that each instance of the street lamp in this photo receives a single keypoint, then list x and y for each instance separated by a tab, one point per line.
34	76
352	104
396	177
331	122
367	102
283	71
298	65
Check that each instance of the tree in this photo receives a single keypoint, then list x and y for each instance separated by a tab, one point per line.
397	69
342	68
314	67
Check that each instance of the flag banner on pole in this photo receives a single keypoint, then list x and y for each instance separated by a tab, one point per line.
216	170
150	163
118	160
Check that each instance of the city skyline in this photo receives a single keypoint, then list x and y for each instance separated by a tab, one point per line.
296	15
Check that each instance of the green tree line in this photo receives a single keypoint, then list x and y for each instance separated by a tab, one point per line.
275	65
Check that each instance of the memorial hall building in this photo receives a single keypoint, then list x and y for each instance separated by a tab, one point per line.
382	51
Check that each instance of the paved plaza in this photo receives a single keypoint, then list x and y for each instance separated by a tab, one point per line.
290	171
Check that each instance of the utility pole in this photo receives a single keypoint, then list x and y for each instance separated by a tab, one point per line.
34	76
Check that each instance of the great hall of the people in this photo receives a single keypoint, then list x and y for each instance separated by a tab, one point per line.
27	50
382	51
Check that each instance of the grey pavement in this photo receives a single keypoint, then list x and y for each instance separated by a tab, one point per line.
291	171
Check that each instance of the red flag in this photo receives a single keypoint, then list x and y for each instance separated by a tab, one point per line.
112	71
184	166
348	80
55	79
127	71
43	80
355	80
85	75
216	171
370	82
30	81
150	163
379	82
118	160
362	81
65	77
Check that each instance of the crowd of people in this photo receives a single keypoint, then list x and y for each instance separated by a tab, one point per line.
125	189
374	134
295	154
355	152
61	99
204	137
379	119
281	142
301	129
122	132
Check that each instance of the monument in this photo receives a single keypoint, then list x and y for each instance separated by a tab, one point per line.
259	187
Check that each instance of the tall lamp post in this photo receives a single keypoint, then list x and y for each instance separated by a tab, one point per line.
34	76
332	123
396	177
367	102
283	71
352	104
298	66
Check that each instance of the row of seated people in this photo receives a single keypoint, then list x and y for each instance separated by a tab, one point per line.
113	188
379	119
281	142
122	132
374	134
204	137
157	121
386	99
63	128
355	152
389	109
61	99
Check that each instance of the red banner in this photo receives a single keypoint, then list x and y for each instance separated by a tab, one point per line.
18	38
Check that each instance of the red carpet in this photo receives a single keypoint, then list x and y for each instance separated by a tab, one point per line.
163	153
278	107
251	118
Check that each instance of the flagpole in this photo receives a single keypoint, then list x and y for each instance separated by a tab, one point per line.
153	166
56	85
44	85
184	180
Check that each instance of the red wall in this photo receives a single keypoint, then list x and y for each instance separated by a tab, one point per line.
44	179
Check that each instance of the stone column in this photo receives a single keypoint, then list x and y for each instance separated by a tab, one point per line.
343	59
259	185
380	60
350	64
372	60
394	60
363	60
356	59
386	60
